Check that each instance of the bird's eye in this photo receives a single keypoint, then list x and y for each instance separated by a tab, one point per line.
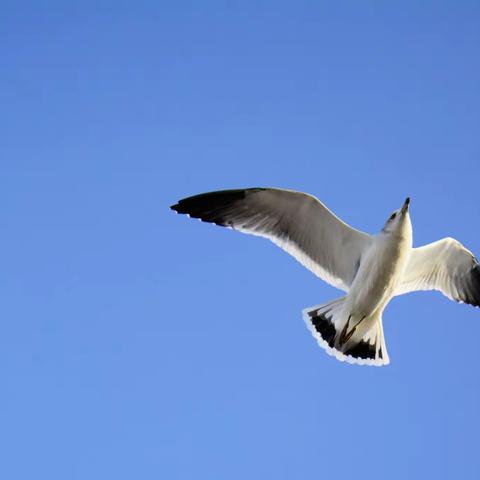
393	216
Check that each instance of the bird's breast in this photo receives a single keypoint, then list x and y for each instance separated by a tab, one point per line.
380	269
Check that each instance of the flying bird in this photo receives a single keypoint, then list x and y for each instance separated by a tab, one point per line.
370	269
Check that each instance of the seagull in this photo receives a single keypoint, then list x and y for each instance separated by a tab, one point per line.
370	269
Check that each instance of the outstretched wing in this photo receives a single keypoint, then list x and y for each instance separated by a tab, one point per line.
296	222
446	266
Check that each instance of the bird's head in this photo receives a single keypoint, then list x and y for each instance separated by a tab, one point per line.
399	222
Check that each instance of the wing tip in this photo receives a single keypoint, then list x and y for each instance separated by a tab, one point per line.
211	207
471	291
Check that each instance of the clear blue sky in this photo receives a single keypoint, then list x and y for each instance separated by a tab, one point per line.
136	343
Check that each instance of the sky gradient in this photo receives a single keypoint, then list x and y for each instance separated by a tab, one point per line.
136	343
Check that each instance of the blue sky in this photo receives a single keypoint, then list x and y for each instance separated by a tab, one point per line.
135	343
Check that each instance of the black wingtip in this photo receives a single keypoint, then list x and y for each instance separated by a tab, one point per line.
222	207
473	297
212	206
183	206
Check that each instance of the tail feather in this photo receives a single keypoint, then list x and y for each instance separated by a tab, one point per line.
340	338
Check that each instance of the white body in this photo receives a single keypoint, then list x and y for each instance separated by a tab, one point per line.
380	272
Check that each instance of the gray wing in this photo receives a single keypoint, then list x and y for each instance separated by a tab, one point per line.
447	266
296	222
